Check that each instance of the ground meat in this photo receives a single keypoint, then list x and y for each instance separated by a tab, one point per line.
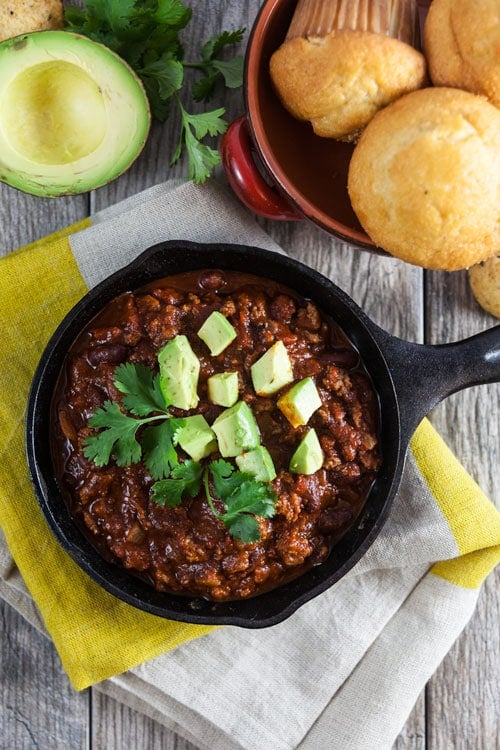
186	549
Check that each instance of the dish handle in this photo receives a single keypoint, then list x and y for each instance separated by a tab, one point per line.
424	375
237	156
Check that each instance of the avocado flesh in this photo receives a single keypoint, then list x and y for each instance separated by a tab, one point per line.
73	115
258	463
236	430
223	388
272	371
308	457
197	438
217	333
300	402
179	372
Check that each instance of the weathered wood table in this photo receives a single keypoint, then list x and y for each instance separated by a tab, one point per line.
459	709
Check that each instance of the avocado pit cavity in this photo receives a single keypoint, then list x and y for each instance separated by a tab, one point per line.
54	113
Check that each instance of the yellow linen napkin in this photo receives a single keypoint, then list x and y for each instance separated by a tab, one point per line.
96	635
38	285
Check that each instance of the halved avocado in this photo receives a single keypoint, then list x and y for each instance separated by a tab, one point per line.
73	114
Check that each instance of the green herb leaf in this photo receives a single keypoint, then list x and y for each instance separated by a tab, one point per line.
142	396
168	75
245	528
157	441
244	498
201	158
145	33
216	44
203	89
141	389
185	481
115	13
172	13
231	70
117	438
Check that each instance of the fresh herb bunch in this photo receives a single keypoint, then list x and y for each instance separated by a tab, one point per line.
120	437
145	33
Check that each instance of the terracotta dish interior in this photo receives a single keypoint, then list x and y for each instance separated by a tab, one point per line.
310	170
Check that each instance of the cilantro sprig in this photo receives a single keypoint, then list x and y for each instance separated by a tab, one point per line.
118	436
146	34
141	428
242	495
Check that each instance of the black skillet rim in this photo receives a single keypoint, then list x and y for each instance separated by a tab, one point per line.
265	609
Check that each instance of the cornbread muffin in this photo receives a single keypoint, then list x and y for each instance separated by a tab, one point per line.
484	279
424	179
462	44
340	81
23	16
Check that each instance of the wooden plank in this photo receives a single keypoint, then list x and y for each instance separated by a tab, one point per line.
39	708
463	694
26	218
126	728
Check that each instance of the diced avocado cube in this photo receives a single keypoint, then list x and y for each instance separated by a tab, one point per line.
300	402
308	457
223	388
257	462
217	333
272	371
197	437
179	372
236	430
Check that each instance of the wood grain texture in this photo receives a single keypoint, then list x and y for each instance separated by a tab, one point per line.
469	676
39	709
459	709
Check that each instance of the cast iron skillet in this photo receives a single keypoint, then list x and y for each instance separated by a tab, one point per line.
409	378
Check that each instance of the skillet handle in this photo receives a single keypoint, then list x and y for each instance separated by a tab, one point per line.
424	375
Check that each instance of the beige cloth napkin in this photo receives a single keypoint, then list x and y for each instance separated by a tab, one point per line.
345	670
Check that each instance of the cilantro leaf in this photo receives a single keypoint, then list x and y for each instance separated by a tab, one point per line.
203	89
141	389
244	498
142	396
224	478
172	13
216	44
231	70
245	528
201	158
118	437
157	441
250	496
185	480
167	73
205	123
115	13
